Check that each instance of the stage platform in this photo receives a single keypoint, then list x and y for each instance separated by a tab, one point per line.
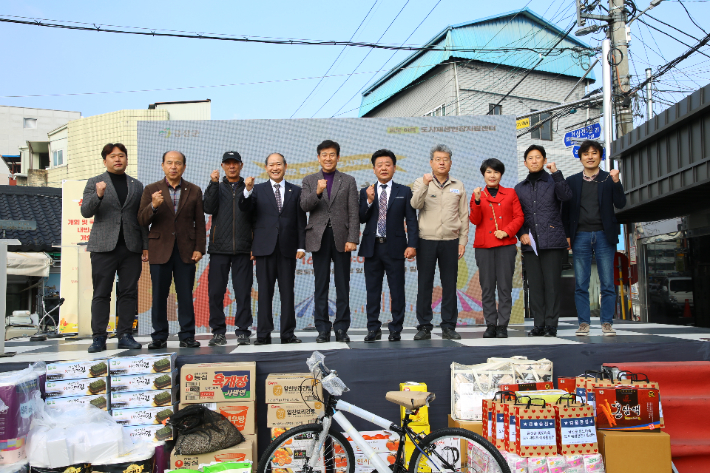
372	369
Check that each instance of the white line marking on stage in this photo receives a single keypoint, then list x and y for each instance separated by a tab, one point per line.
274	347
515	341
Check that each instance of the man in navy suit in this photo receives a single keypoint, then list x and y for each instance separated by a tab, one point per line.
384	207
279	239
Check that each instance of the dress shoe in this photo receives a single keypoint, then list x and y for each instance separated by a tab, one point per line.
243	339
218	339
262	341
323	337
450	334
394	337
537	332
157	344
189	343
99	345
502	331
373	335
550	331
127	341
342	336
423	334
292	339
490	331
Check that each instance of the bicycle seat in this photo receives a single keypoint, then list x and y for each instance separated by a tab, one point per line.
410	399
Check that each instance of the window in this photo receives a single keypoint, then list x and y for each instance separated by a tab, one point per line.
494	109
439	111
30	123
57	157
545	131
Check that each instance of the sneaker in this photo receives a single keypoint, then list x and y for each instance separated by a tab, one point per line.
490	331
189	343
502	331
583	330
218	339
608	330
423	334
537	332
450	334
127	341
243	339
99	345
550	331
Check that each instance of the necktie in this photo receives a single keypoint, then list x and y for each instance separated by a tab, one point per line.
382	218
277	190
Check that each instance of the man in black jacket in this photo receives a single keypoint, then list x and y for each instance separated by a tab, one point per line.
591	226
279	241
229	247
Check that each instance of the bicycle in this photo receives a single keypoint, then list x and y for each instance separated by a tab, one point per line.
315	448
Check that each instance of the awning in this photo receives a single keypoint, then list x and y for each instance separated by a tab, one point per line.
28	264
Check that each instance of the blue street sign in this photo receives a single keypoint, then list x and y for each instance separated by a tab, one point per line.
575	152
591	132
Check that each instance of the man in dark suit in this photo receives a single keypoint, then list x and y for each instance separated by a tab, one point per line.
384	244
116	243
279	241
172	207
332	234
591	226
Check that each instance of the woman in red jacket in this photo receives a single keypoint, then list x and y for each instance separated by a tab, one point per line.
497	215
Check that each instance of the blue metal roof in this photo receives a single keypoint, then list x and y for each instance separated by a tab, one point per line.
516	29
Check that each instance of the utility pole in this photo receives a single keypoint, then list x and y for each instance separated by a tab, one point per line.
649	97
620	67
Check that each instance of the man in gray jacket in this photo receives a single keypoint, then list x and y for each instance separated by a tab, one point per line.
116	243
332	233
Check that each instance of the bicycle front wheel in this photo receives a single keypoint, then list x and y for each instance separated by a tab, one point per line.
291	452
456	450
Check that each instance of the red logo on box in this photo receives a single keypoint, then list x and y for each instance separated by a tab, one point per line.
206	394
188	377
231	381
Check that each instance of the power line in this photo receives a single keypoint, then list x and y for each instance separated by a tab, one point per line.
691	17
673	37
336	59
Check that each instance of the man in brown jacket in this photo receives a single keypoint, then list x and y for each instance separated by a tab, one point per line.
172	207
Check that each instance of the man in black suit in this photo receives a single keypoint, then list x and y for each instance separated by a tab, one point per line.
279	239
384	244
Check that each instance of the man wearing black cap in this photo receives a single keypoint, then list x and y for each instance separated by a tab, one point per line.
229	248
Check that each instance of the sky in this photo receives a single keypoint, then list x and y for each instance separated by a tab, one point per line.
272	81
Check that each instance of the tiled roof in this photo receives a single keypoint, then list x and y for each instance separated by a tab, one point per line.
41	204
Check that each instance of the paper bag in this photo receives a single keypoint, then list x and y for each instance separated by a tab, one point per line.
535	433
576	428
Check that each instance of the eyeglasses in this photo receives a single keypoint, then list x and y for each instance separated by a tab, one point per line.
441	160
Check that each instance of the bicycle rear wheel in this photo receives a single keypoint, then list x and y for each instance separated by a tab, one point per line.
291	452
456	450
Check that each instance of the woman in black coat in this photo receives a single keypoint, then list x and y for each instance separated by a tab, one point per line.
542	237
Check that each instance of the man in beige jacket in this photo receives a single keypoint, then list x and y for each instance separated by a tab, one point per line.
443	234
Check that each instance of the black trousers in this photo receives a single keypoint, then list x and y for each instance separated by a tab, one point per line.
269	269
375	268
104	268
341	275
544	273
162	276
447	253
242	280
496	267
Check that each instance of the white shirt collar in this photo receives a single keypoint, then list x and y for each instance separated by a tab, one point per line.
388	184
282	184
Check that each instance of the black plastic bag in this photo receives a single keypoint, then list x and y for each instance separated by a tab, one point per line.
200	430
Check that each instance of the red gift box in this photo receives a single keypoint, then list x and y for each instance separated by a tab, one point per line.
625	407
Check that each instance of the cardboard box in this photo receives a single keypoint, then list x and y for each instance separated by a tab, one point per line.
77	369
254	448
635	451
218	382
149	433
292	458
142	364
145	382
409	446
473	426
293	387
76	387
143	415
422	415
238	453
241	414
291	414
121	400
362	462
100	400
381	441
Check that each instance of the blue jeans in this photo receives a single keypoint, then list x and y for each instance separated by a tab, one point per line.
584	244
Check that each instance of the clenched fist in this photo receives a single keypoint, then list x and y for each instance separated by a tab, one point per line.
477	194
427	178
249	183
157	199
214	177
100	188
614	173
322	185
371	194
552	167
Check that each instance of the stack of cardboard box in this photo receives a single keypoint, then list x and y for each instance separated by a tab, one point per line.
227	388
144	395
292	399
78	383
